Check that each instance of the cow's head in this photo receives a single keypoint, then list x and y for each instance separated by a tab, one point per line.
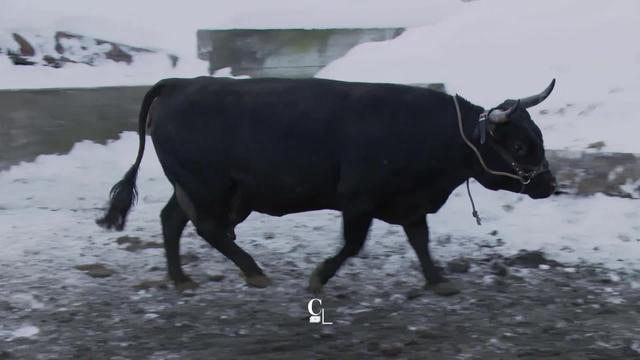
510	141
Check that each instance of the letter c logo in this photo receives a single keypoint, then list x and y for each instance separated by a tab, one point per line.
310	307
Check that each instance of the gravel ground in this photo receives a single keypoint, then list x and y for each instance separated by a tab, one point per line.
523	307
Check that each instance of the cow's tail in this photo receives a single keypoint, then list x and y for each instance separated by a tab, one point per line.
124	193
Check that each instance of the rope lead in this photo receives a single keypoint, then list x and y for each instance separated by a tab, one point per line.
473	206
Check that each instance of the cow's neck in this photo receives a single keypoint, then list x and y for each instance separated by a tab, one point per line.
462	163
468	161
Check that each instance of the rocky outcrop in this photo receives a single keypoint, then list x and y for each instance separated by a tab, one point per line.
61	48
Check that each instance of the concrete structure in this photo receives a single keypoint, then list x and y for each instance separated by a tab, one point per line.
50	121
282	52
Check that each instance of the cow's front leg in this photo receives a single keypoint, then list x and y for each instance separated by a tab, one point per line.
418	234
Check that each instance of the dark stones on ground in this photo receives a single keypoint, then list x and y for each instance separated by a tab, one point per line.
391	349
530	259
507	207
5	306
414	293
459	265
443	240
446	288
151	284
500	266
215	277
433	335
550	314
598	145
497	267
490	244
64	317
188	258
96	270
134	243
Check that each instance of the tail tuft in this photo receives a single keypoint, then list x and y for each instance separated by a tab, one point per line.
122	196
124	193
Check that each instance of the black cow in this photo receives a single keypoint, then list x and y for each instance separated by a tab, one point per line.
281	146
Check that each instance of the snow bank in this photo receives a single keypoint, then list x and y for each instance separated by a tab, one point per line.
486	50
172	26
48	209
496	49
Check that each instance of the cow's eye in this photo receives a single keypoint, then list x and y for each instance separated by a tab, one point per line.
519	149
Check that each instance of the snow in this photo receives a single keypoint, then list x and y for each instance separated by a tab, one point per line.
25	301
172	26
25	331
486	50
61	195
497	49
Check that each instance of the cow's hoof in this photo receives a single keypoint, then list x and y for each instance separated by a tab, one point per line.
186	285
315	282
445	288
259	281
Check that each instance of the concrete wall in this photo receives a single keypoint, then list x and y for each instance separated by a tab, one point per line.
282	53
50	121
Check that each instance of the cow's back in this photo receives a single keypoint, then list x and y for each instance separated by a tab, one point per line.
289	144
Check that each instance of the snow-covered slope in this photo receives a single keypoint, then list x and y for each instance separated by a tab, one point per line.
497	49
486	50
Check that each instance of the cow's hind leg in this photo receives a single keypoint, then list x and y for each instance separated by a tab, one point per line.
216	234
174	220
418	234
355	229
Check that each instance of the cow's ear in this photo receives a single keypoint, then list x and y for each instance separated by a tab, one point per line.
499	116
481	131
493	132
485	130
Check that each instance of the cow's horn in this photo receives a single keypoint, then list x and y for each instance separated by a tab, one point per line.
537	99
498	116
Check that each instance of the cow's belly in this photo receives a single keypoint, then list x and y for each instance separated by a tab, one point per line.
406	207
281	206
280	199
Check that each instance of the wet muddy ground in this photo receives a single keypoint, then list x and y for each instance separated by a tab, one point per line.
522	308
